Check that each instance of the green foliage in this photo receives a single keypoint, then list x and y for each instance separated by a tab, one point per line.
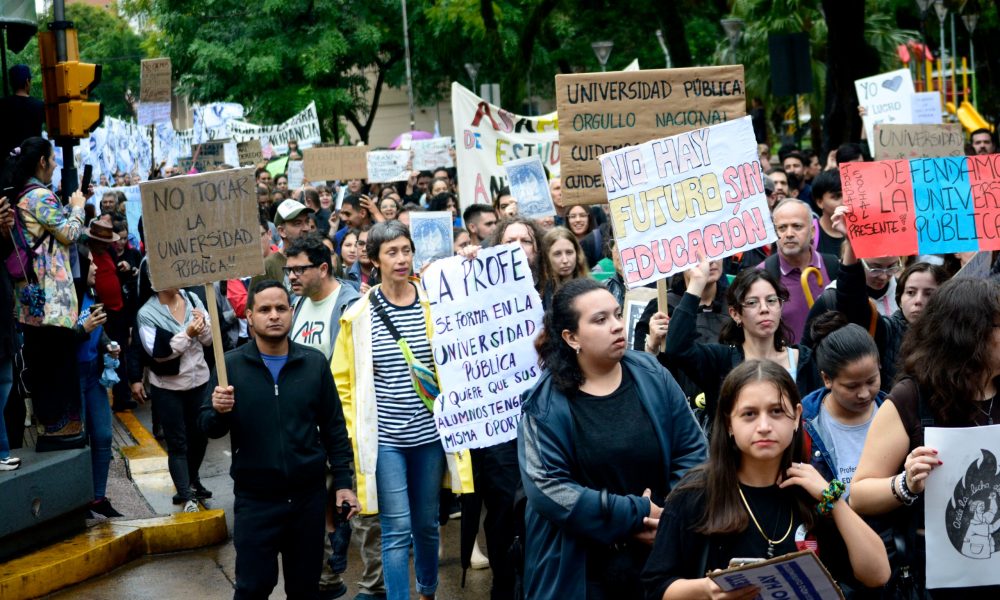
105	39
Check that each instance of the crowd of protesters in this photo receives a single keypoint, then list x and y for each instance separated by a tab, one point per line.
758	412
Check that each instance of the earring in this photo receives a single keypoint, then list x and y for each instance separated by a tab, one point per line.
578	350
739	324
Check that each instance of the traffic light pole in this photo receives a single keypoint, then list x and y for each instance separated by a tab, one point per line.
70	182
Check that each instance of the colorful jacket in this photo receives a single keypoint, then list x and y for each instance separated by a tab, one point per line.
42	212
352	371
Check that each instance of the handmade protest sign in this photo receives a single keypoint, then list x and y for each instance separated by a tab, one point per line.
602	112
887	98
432	236
926	108
917	141
250	152
335	163
530	188
797	575
962	511
488	136
923	206
431	154
201	228
154	91
296	178
387	166
486	314
697	191
210	154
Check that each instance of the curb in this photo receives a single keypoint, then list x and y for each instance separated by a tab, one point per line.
106	547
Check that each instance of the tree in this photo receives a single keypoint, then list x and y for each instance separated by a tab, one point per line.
105	39
275	56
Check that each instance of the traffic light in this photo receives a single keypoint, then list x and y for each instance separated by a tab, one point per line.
67	85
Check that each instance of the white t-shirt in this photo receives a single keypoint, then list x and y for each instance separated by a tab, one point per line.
312	323
844	442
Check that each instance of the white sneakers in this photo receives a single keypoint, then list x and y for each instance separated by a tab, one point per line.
10	463
191	506
479	561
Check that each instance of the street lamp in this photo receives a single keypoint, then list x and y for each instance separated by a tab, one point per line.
924	5
970	19
602	50
734	30
472	69
666	51
409	72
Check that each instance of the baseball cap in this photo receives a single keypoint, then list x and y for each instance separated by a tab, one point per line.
288	210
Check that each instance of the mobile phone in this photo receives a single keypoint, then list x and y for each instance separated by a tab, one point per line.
343	511
88	175
742	562
96	308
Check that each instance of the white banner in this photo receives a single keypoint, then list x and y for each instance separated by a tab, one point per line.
387	166
431	154
887	98
700	190
303	128
962	514
486	315
487	136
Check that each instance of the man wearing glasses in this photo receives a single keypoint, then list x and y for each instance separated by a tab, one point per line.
322	297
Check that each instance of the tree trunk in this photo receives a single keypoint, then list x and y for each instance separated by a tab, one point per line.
849	58
674	34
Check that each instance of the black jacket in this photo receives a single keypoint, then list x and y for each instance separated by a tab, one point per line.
852	300
282	433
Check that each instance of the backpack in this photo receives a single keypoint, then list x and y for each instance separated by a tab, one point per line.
20	262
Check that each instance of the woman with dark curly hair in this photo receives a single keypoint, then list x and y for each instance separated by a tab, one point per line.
757	331
605	434
950	377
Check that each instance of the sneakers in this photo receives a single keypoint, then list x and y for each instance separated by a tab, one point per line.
191	506
200	492
103	507
10	463
479	561
333	592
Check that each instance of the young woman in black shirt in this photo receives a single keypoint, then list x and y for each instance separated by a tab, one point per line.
751	501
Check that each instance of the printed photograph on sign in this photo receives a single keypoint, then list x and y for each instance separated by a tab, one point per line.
432	237
529	186
674	198
962	510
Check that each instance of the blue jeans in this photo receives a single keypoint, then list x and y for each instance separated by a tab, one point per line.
408	481
6	383
97	417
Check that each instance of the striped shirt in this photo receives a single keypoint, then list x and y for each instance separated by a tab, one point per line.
403	419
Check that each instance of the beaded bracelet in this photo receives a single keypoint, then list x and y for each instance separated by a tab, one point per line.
830	495
908	497
895	494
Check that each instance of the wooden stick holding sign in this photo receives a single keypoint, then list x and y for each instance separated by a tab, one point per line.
662	305
201	229
213	314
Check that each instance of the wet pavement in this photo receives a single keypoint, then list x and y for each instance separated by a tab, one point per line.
209	572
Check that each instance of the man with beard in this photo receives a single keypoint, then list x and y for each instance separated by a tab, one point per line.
281	444
982	142
793	224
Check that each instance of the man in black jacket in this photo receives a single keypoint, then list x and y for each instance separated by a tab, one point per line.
285	422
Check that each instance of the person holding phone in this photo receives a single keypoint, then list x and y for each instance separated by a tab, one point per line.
45	302
93	344
750	501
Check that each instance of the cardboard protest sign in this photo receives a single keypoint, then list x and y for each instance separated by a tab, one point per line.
530	188
602	112
491	136
154	91
295	175
926	107
893	142
335	163
887	98
250	152
701	190
962	510
431	154
432	236
923	206
387	166
486	315
210	154
303	128
797	575
201	228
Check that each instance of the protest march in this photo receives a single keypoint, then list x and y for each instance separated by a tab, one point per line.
715	324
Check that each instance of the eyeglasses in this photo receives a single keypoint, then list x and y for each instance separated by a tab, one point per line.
882	271
754	303
297	271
